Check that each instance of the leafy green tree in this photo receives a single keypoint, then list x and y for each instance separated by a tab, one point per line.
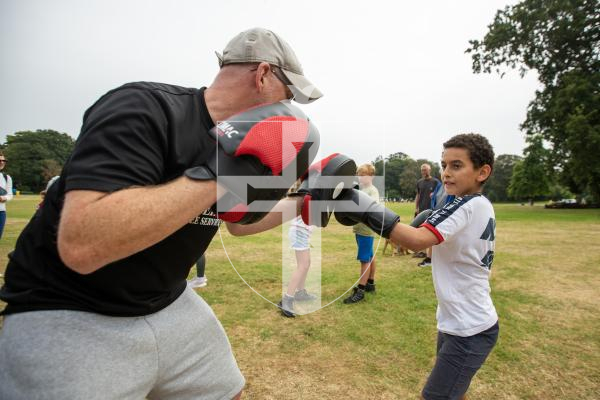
50	168
560	40
408	180
394	167
401	174
496	188
35	156
529	178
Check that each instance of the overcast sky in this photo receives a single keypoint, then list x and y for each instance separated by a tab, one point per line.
394	73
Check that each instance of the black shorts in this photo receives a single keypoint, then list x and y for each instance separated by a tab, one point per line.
458	359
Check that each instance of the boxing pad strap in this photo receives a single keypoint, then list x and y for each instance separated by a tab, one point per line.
318	166
273	133
305	212
235	214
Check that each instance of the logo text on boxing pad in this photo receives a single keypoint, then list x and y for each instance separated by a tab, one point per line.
226	129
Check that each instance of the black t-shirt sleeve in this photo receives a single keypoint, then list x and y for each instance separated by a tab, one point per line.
122	143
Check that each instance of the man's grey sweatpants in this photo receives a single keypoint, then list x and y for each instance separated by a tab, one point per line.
180	352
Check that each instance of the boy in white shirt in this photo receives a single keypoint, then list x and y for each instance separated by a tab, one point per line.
463	236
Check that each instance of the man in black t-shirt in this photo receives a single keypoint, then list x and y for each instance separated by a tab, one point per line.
97	303
425	186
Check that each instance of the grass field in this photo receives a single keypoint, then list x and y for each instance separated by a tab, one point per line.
545	285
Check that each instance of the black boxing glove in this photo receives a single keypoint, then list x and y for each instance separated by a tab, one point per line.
357	206
324	182
420	218
259	154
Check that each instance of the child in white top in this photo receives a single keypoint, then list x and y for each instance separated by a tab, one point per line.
463	235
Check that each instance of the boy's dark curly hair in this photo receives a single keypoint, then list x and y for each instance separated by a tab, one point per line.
480	150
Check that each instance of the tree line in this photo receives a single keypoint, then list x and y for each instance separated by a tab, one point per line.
35	156
559	39
514	178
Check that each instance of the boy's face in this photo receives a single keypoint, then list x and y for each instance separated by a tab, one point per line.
459	175
364	179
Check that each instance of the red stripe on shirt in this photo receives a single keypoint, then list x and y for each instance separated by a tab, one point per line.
433	230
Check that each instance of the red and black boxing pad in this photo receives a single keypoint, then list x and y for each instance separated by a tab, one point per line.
259	154
324	182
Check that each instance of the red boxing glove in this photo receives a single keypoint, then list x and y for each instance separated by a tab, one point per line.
324	182
259	155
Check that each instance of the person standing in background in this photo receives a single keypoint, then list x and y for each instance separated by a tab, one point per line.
425	186
299	235
6	192
200	280
365	238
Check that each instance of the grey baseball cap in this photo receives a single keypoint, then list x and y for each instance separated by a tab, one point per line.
262	45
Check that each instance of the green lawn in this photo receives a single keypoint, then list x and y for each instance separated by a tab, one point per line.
545	284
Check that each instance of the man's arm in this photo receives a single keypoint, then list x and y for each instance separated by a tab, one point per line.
97	228
284	210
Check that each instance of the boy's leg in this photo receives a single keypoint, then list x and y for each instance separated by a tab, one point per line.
201	266
372	270
299	275
300	242
365	256
2	222
364	273
458	359
295	290
427	260
370	287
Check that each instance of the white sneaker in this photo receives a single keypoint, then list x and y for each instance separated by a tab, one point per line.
198	282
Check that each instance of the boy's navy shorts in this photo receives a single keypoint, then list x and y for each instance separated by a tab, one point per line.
458	359
365	248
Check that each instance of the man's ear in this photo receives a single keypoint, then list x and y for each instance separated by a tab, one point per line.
261	72
484	172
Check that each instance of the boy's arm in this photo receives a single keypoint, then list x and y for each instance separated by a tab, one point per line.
359	207
415	239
